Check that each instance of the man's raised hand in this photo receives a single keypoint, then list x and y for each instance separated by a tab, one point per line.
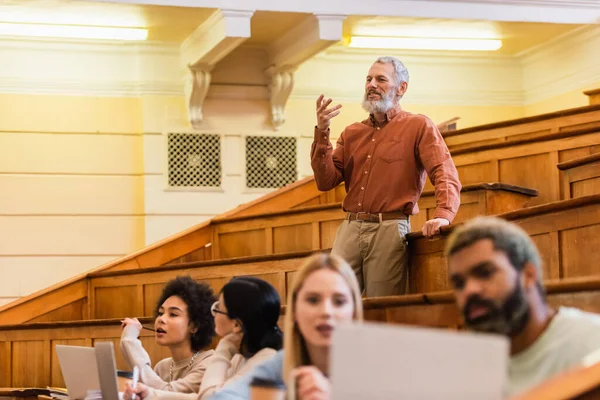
324	114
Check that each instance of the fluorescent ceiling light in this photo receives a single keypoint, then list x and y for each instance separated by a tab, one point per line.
73	31
413	43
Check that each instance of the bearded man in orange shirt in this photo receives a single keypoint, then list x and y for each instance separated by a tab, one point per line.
383	162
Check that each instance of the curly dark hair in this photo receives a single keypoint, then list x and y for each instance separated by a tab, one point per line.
198	297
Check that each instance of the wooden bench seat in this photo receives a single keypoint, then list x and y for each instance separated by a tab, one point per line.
580	176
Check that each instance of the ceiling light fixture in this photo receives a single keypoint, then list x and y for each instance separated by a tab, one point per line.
413	43
72	31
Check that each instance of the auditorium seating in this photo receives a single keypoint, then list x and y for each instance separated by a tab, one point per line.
539	172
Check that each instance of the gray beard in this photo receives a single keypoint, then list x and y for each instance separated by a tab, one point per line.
379	106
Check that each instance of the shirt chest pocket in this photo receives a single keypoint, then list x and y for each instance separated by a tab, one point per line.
391	151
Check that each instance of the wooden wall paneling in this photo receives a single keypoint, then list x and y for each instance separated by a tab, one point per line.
498	202
580	250
30	363
578	152
44	302
240	244
533	172
117	302
152	293
56	376
478	172
315	235
294	238
216	284
585	187
5	364
429	315
586	300
327	232
69	312
269	241
278	280
581	125
431	274
312	202
201	254
170	249
340	193
548	247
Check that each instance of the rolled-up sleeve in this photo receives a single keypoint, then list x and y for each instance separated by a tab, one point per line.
435	158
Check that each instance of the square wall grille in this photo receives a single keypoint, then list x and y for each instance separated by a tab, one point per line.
194	160
270	161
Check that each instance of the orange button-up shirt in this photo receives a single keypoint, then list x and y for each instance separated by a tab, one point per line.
384	166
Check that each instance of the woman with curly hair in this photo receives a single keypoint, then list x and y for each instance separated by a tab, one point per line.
246	318
185	325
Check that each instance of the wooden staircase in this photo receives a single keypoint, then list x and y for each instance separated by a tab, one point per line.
507	169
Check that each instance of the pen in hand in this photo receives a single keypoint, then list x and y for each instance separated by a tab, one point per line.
136	377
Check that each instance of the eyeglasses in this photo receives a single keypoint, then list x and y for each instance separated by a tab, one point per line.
214	310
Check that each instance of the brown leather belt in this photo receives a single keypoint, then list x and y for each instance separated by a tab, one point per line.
366	217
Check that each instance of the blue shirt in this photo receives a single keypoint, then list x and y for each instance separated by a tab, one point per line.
272	369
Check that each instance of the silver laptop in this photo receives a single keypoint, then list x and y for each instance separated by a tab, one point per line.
78	366
376	361
107	370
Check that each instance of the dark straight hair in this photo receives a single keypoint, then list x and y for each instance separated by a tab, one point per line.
256	304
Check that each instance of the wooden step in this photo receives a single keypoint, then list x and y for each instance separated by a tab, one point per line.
305	230
567	234
564	120
528	162
580	176
29	359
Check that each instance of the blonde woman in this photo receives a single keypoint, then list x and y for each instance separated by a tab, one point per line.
324	294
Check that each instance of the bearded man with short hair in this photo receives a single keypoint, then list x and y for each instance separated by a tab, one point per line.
383	162
496	273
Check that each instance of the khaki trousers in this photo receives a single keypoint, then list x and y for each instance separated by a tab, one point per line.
377	253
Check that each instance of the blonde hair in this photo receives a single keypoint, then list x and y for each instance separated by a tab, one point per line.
295	353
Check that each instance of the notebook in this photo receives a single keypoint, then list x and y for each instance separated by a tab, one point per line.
78	366
377	361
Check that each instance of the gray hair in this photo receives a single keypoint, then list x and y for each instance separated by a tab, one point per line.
400	71
505	236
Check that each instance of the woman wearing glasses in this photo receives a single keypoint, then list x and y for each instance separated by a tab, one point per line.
245	318
185	325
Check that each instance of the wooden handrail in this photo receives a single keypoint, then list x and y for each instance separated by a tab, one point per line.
211	263
563	166
491	186
525	120
475	148
592	92
526	212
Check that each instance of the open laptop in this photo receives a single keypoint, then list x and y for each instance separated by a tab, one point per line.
107	370
78	366
376	361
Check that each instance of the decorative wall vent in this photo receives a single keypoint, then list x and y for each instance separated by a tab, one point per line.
194	160
271	162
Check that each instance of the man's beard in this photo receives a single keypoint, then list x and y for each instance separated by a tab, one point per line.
508	318
384	104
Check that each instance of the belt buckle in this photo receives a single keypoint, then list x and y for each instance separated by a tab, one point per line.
358	213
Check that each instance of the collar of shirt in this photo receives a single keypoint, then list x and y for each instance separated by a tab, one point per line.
389	115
